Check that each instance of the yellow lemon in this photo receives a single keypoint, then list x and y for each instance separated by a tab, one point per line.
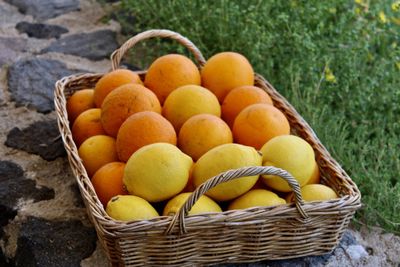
292	154
222	158
127	208
157	172
256	198
203	205
315	177
314	192
187	101
317	192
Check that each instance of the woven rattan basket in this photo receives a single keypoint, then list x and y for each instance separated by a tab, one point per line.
255	234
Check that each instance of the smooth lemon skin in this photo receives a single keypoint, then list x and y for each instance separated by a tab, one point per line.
316	175
128	208
256	198
203	205
157	172
317	192
188	101
223	158
314	192
292	154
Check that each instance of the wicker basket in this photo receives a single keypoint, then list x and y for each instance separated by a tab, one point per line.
254	234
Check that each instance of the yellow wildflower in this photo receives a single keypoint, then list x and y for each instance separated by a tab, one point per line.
396	21
382	17
396	6
362	3
329	76
398	65
357	11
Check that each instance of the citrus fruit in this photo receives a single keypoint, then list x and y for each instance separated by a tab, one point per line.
107	181
314	192
157	172
317	192
79	102
143	128
169	72
240	98
222	158
256	198
315	177
203	205
112	80
97	151
129	208
125	101
258	123
87	124
201	133
187	101
189	185
292	154
225	71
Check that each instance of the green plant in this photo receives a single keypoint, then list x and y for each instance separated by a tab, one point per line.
337	62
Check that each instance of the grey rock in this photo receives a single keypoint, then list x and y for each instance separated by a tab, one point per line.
356	252
10	49
348	239
31	82
78	201
4	261
40	30
41	138
9	16
15	43
14	186
96	45
54	243
45	9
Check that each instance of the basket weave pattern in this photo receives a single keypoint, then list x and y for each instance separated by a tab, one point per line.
260	233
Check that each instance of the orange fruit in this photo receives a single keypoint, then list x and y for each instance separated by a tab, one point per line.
107	181
240	98
79	102
226	71
87	124
202	132
258	123
143	128
97	151
169	72
187	101
112	80
125	101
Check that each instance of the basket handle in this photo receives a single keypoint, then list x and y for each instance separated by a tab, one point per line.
230	175
117	55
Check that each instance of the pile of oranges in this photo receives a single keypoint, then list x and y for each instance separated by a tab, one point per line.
176	103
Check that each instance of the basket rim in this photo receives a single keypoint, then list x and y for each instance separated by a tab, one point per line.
110	225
